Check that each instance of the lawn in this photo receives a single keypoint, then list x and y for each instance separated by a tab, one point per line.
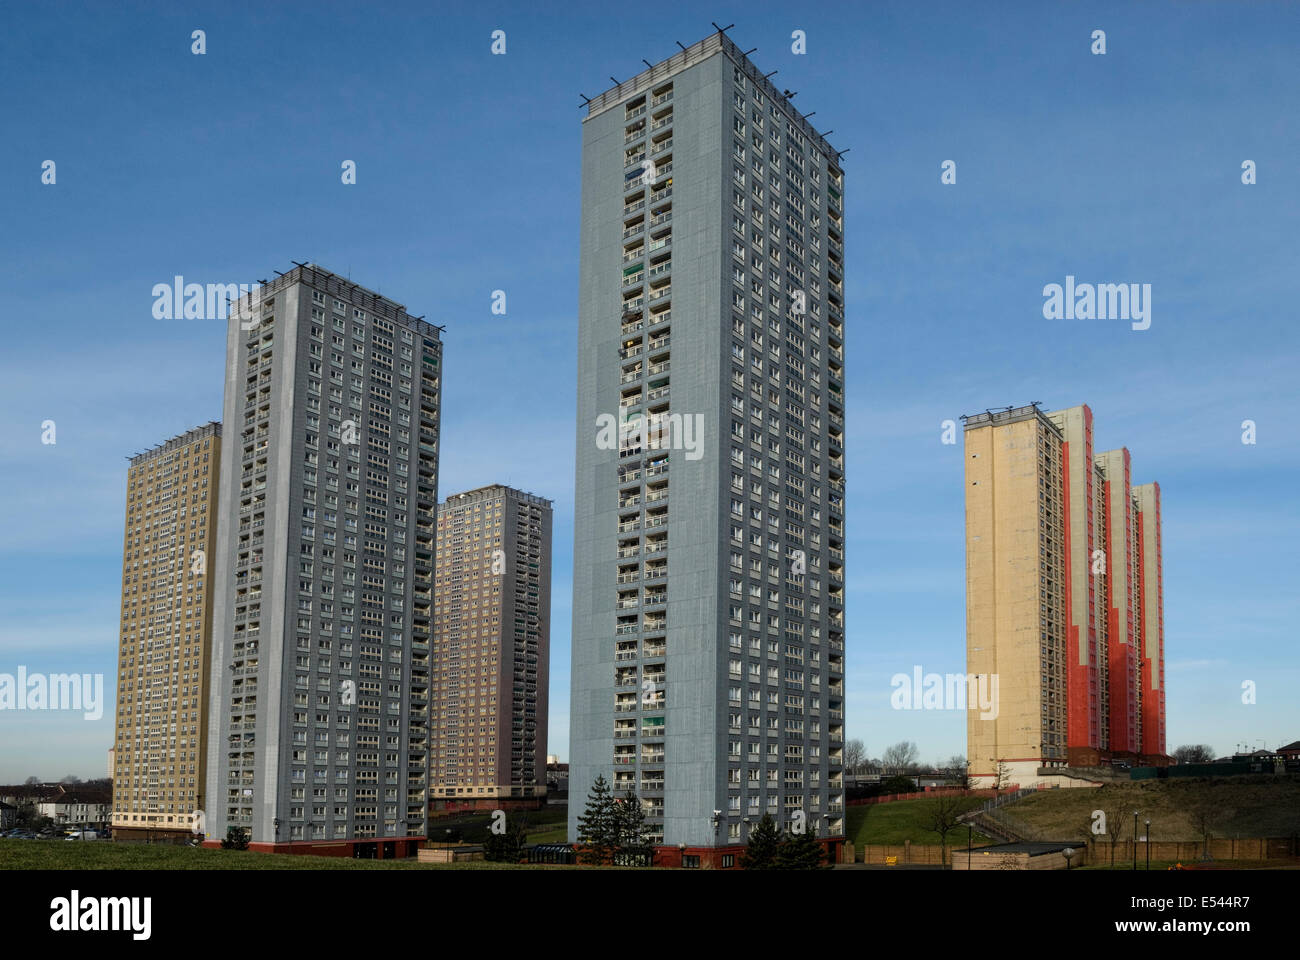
900	821
544	826
548	825
107	855
1260	806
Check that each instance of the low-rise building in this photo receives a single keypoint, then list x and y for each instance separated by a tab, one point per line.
77	809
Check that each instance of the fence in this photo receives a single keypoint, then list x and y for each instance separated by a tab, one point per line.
1190	851
904	852
1098	852
936	792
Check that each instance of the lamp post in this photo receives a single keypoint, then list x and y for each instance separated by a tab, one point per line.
1148	844
1135	840
681	851
1068	853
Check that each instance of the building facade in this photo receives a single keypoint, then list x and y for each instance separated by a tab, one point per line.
491	650
318	727
708	610
158	761
1064	602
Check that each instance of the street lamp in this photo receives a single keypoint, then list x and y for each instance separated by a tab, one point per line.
1068	853
681	851
1148	844
1135	840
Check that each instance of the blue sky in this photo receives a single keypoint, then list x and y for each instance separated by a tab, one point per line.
1117	168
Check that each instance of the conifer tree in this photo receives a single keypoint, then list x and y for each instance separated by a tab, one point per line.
598	827
763	846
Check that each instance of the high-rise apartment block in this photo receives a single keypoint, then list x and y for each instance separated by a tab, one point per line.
158	758
318	721
491	650
708	610
1064	596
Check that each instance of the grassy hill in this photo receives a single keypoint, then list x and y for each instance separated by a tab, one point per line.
900	821
1251	806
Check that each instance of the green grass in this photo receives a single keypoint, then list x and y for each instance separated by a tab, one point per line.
1248	806
898	822
107	855
548	825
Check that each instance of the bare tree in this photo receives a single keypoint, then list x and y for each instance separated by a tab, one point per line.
1115	820
956	768
945	813
855	756
901	757
1194	753
1206	815
1001	777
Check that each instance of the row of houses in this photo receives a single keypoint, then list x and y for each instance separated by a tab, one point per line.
68	805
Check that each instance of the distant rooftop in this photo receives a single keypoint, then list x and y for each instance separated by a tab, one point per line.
714	43
1004	415
493	490
314	275
210	429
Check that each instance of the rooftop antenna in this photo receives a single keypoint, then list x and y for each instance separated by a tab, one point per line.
749	51
772	74
647	62
616	82
789	94
277	272
809	114
586	100
679	43
721	29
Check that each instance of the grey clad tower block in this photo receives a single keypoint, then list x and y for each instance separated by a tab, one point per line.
708	604
318	718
